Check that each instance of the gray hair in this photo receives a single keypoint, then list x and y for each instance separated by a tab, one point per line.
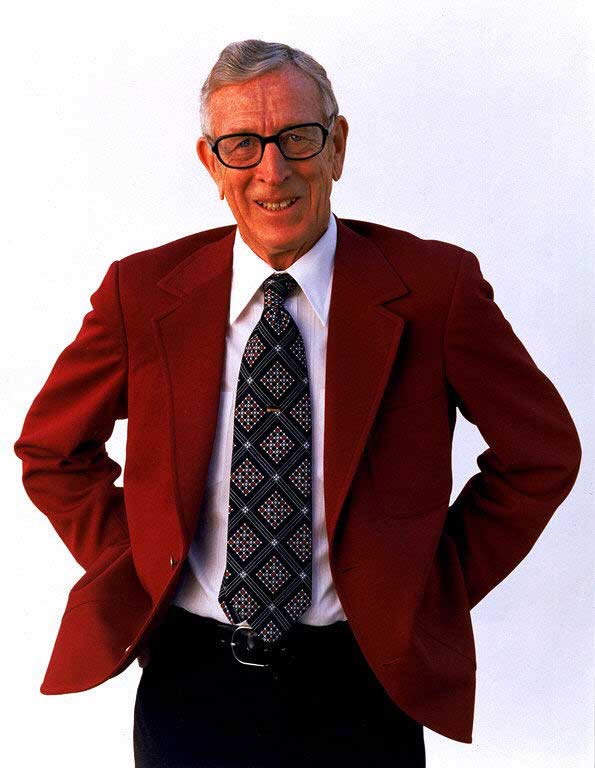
241	61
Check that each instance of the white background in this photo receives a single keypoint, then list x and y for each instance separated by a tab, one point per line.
471	122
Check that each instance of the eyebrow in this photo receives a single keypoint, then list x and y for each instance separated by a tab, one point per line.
248	130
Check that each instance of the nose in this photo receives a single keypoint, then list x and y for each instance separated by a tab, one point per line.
273	168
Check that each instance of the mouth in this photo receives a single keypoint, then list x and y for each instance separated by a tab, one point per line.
277	205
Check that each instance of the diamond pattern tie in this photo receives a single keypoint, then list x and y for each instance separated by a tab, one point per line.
268	574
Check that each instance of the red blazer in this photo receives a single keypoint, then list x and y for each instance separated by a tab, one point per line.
413	335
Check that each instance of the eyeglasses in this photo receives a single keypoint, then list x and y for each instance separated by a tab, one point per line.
296	142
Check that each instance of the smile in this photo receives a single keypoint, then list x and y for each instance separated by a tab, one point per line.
278	206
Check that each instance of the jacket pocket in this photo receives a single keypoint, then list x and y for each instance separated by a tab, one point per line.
443	611
432	636
106	560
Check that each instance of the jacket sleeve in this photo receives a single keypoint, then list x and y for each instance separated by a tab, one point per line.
534	451
67	473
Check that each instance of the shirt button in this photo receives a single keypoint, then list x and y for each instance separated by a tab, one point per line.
173	561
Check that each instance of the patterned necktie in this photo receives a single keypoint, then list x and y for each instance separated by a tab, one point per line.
268	575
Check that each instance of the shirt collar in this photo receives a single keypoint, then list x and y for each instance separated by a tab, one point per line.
313	273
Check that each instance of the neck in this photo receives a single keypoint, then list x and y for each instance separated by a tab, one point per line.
281	260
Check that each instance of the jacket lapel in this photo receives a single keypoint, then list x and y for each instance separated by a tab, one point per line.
191	338
363	338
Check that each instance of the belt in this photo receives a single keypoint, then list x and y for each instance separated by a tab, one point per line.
245	646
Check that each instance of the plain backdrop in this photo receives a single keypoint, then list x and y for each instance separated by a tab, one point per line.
471	122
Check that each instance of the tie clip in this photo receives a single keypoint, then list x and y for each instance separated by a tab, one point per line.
275	410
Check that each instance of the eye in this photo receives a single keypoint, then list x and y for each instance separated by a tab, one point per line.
239	143
295	138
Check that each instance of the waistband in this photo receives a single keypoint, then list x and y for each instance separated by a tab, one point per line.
182	630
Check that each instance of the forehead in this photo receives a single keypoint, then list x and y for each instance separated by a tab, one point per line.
266	103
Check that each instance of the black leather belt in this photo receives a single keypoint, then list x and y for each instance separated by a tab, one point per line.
245	646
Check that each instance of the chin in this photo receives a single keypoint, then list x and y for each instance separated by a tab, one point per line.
283	239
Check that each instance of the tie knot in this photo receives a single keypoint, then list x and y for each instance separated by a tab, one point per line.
277	288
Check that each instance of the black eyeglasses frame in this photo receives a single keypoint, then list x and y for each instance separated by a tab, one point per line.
273	139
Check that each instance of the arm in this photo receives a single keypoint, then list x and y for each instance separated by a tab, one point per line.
534	451
67	473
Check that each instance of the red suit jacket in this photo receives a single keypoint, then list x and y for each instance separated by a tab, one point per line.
413	335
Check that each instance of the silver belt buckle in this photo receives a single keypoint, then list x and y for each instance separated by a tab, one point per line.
234	645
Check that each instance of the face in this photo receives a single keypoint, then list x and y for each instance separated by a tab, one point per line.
265	105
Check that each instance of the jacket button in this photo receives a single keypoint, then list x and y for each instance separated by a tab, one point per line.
173	562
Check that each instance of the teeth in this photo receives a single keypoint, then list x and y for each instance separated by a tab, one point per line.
277	206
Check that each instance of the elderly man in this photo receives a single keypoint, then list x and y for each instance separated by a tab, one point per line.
283	558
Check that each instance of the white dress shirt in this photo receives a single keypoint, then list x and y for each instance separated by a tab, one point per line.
198	590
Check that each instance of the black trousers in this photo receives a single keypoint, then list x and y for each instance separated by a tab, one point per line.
197	707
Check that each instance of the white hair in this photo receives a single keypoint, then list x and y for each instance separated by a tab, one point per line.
241	61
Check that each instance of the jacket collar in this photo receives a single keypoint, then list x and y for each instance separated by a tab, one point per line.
313	273
360	262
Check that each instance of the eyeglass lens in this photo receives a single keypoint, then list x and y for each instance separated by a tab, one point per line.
296	143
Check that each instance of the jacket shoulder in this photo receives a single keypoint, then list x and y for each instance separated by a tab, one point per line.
400	246
154	263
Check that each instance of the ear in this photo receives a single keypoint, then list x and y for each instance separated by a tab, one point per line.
339	143
210	162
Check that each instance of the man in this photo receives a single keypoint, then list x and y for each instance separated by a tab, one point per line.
282	557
